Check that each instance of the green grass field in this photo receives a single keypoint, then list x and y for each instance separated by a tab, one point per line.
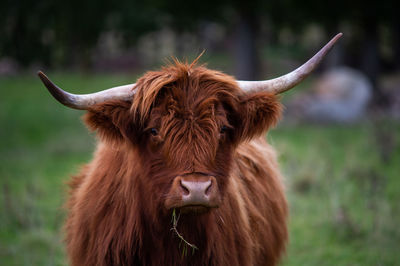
343	182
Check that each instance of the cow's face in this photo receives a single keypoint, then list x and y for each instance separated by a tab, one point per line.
185	123
188	141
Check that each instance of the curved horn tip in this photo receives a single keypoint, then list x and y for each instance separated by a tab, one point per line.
60	95
47	82
43	78
337	36
41	74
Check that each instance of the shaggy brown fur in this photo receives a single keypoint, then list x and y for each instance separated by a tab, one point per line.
204	123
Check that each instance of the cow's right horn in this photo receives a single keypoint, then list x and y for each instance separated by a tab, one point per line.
84	101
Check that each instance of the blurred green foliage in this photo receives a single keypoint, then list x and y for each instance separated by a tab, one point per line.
60	33
63	33
342	181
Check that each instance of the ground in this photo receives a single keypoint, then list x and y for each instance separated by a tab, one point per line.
342	182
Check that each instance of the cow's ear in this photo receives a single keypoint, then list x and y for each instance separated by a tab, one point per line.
258	111
111	120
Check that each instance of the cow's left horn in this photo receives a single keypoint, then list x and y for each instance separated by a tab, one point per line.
288	81
84	101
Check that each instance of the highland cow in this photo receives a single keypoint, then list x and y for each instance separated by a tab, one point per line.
182	174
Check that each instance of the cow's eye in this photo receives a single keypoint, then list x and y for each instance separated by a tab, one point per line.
154	132
223	129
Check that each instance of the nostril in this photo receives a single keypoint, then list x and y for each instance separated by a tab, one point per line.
185	190
208	189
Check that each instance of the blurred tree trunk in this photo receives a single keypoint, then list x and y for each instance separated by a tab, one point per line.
370	55
396	44
370	59
245	47
18	36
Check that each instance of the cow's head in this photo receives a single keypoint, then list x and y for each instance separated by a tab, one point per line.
184	123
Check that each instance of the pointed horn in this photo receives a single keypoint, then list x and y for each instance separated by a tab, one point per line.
288	81
84	101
